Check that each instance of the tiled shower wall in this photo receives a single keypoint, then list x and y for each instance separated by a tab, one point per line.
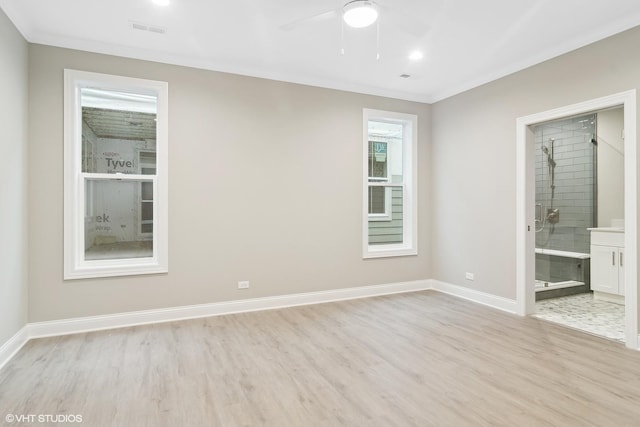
573	194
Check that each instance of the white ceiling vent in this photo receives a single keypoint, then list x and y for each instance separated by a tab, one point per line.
150	28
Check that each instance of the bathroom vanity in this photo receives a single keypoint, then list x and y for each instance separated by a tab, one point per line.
607	263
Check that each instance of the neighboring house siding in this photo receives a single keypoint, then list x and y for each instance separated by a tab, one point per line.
388	231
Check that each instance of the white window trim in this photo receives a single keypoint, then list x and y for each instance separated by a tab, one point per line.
409	245
75	266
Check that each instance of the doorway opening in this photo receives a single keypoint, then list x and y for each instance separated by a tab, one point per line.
579	222
547	143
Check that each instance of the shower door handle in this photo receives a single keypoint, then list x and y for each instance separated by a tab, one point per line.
538	212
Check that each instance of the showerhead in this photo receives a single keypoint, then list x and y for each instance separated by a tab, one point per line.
549	155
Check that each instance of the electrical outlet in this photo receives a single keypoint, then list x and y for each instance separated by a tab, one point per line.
469	276
243	285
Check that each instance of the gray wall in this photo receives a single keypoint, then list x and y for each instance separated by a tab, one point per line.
13	180
474	156
265	185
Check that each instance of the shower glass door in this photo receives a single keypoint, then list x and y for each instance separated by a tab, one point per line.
565	202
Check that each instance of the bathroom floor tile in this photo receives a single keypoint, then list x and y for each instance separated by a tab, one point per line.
584	313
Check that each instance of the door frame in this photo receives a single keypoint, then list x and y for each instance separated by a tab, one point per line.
525	199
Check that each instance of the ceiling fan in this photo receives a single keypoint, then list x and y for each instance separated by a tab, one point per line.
363	13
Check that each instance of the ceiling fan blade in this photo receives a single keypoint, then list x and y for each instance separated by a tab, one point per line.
318	17
402	20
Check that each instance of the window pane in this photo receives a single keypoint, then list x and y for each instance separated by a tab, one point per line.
391	231
377	159
118	131
147	157
385	151
147	162
147	211
113	220
377	200
147	190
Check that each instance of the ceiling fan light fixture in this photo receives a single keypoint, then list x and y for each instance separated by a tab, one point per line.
359	13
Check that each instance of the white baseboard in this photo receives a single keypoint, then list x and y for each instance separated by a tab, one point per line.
490	300
120	320
15	343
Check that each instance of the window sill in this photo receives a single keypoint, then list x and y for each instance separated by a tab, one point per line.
379	218
111	268
388	251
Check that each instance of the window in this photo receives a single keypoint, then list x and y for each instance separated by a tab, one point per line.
115	176
390	184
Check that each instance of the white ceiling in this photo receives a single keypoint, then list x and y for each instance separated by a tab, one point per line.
465	42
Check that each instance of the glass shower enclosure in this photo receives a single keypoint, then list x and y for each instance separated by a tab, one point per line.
566	156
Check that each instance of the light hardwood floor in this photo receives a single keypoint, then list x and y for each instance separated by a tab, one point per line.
418	359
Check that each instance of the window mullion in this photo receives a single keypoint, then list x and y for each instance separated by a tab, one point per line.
117	177
386	184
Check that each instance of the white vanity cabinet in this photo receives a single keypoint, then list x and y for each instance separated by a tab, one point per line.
607	260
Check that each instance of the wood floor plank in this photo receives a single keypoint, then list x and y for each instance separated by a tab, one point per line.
416	359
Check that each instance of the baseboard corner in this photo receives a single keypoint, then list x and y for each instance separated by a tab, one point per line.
13	345
490	300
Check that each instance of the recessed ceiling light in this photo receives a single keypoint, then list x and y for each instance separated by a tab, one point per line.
162	2
416	55
360	13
